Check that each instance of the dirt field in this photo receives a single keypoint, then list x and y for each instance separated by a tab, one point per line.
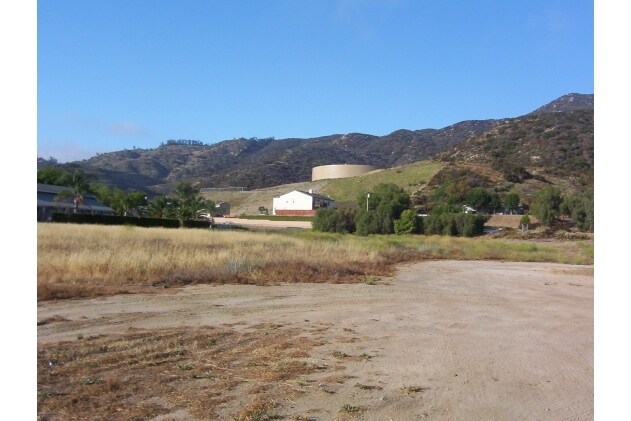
263	223
442	340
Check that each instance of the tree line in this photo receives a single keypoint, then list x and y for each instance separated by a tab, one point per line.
185	203
387	210
184	142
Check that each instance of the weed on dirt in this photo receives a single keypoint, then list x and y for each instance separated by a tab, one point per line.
204	373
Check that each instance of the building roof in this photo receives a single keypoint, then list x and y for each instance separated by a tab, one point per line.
314	195
51	188
317	196
46	195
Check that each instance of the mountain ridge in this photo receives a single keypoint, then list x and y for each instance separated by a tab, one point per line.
259	163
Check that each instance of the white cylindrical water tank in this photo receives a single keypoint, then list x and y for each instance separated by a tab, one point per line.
324	172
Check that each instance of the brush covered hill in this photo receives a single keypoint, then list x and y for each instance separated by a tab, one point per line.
344	190
259	163
553	144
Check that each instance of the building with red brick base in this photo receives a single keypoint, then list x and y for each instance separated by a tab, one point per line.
300	203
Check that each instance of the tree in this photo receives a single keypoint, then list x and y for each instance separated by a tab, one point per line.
386	195
446	208
122	203
187	203
479	198
524	222
495	203
409	223
580	208
334	220
469	225
158	207
386	203
546	205
51	175
461	224
511	202
77	184
376	221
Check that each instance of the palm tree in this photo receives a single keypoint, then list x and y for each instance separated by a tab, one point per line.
158	207
187	202
78	184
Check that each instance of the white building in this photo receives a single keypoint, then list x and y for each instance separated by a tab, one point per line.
300	203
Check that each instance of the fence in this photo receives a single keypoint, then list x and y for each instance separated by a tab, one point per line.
220	189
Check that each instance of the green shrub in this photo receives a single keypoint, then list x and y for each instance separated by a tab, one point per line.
409	223
546	205
378	221
454	224
334	220
81	218
580	208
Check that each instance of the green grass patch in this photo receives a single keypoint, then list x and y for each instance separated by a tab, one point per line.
409	177
416	247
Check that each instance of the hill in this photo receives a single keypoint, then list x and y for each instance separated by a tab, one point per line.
554	141
411	177
259	163
525	154
569	102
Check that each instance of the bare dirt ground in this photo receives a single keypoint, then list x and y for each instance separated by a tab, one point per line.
507	221
263	223
441	340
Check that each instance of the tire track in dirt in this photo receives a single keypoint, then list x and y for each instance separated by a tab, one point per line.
441	340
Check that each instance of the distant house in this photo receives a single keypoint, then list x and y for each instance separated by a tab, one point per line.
300	203
47	205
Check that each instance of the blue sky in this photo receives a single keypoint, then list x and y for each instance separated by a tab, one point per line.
115	74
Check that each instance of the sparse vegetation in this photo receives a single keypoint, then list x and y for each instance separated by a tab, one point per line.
90	260
367	387
259	410
414	389
158	372
339	354
350	409
370	280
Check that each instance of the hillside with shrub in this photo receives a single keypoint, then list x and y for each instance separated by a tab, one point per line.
555	139
559	144
258	163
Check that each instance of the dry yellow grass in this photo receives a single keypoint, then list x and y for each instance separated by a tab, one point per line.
89	260
202	373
